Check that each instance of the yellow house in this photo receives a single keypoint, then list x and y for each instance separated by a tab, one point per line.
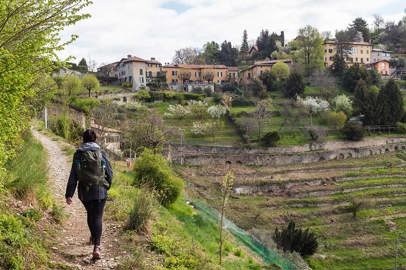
259	67
181	73
356	52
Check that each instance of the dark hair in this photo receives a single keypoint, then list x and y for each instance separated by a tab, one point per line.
89	136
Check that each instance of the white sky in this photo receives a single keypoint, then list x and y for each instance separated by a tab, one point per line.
156	28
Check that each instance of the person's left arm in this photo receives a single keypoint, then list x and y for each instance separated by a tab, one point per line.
108	170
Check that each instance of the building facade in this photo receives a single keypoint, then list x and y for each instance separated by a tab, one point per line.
181	74
354	52
258	68
379	55
137	72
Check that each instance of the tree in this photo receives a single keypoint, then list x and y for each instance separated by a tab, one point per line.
82	66
185	76
354	206
391	102
71	85
280	70
269	80
353	131
228	55
310	49
294	239
244	45
29	40
353	75
187	56
261	113
313	106
226	188
360	25
343	103
90	83
339	65
294	86
266	44
366	103
256	88
208	76
211	53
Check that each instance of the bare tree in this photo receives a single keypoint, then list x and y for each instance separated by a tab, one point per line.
262	112
186	56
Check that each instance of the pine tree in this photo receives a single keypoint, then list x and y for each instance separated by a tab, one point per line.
366	103
82	66
360	25
391	103
244	46
339	66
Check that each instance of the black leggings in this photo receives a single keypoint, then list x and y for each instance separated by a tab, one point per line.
95	211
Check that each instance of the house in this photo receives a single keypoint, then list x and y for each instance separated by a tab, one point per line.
137	72
354	52
381	66
379	55
259	67
180	75
108	71
232	73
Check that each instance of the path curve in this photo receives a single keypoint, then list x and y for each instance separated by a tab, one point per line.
71	246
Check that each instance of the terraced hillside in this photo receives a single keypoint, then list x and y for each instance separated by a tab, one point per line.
319	196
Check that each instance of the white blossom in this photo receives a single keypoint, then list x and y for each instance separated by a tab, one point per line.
177	111
343	103
200	128
217	111
314	104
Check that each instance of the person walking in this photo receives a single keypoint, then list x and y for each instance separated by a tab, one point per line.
92	173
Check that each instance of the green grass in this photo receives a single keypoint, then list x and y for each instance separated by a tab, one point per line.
184	238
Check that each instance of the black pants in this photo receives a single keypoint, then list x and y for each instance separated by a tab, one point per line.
95	211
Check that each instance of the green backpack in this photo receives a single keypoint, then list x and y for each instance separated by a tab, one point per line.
90	168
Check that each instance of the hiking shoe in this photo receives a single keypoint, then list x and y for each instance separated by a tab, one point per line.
96	253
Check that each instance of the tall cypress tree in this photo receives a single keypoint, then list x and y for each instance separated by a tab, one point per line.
391	102
244	46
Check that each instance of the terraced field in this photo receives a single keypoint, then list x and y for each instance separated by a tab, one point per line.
318	196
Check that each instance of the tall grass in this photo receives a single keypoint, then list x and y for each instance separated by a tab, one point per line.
27	178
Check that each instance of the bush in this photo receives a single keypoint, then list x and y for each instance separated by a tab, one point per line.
152	171
316	134
84	104
293	239
335	119
126	85
401	127
66	128
294	86
242	102
270	139
353	131
141	212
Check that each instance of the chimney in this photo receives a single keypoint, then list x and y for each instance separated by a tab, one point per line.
152	58
129	56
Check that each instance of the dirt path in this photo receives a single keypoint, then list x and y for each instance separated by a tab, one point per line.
71	244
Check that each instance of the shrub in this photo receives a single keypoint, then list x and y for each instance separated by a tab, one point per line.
353	131
294	239
141	212
242	102
335	119
152	171
401	127
342	103
280	70
66	128
201	129
84	104
270	139
294	86
316	134
354	206
126	85
144	95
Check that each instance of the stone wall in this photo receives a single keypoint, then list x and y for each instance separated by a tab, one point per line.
206	155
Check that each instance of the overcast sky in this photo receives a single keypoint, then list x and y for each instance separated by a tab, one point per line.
156	28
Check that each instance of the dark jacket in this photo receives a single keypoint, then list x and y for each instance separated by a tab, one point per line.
93	192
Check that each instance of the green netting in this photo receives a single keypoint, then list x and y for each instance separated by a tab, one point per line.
268	255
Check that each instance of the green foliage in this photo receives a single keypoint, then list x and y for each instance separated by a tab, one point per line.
28	173
270	139
71	86
366	103
391	102
354	206
270	81
211	53
401	127
295	239
353	131
255	88
358	72
82	66
152	171
84	104
127	85
339	65
65	127
242	102
90	83
141	212
335	120
310	51
280	70
294	86
360	25
342	103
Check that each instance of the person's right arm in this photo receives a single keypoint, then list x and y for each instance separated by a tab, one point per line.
72	181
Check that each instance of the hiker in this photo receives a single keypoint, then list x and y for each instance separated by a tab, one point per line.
92	170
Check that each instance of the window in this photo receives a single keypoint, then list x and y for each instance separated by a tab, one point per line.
362	51
141	71
195	74
249	75
221	73
330	50
331	58
130	79
174	73
356	59
362	60
142	79
218	74
325	50
150	74
367	59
